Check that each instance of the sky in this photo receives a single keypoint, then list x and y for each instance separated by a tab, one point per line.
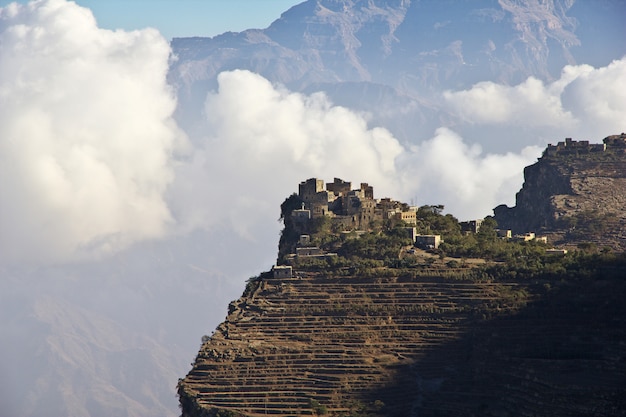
184	18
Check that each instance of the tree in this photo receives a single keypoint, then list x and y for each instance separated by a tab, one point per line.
487	231
291	203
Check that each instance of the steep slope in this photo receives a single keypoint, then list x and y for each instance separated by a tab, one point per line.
575	192
328	339
412	46
358	321
419	344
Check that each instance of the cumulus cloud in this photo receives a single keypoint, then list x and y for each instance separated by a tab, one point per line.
86	134
446	170
489	102
597	97
262	140
585	102
87	142
87	138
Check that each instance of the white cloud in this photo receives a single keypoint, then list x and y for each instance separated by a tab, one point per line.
86	134
262	140
597	98
584	102
87	140
446	170
529	102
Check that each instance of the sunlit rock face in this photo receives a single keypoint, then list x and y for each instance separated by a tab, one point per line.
575	192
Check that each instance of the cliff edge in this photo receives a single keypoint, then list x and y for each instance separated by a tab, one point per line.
381	309
575	193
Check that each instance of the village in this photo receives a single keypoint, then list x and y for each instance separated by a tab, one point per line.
354	212
614	143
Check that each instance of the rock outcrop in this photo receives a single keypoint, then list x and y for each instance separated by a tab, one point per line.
361	334
576	192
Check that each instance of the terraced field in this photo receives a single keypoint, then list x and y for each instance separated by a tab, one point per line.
411	346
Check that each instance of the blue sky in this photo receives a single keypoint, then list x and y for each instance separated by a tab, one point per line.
181	18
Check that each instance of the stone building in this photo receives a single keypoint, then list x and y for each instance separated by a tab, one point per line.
348	208
309	188
309	251
471	226
339	187
301	215
282	271
504	233
305	240
428	241
409	216
574	147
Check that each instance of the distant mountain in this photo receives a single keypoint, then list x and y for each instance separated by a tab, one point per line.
415	48
55	344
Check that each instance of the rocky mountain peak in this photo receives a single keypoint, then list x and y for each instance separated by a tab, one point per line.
354	49
412	46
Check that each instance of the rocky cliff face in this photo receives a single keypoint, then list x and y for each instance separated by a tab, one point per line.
575	191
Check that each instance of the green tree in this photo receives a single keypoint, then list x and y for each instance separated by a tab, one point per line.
487	231
291	203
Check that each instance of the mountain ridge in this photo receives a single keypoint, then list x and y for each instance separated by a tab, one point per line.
414	48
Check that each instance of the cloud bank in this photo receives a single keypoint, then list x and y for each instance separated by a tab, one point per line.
591	102
262	140
86	134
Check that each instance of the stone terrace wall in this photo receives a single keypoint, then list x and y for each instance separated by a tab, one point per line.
394	346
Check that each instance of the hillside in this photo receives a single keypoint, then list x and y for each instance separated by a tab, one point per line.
396	345
358	321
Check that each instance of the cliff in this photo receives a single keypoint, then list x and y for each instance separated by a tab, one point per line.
575	193
379	327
